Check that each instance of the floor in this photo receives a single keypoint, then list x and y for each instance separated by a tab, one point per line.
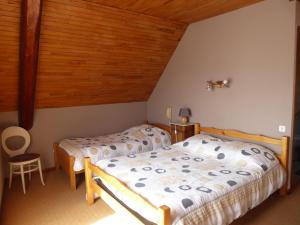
55	204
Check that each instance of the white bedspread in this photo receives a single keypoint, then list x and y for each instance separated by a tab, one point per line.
134	140
203	180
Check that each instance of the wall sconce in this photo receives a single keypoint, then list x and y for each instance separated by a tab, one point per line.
211	85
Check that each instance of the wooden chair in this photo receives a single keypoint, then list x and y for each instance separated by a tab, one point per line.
21	162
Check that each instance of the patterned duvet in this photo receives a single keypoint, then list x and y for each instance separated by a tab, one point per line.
204	180
134	140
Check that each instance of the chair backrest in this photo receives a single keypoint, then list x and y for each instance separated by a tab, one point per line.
13	132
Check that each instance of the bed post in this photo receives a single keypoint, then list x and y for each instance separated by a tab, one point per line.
284	158
88	181
164	215
72	174
197	129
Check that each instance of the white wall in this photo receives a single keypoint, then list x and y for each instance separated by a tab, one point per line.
52	125
255	47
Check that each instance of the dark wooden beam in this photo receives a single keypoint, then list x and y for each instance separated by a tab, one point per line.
29	50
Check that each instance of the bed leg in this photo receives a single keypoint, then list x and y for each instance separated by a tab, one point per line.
164	215
88	181
284	190
72	180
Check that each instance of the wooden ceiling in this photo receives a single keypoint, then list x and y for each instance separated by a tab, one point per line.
187	11
96	51
9	57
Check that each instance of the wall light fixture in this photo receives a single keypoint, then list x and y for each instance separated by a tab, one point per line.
211	85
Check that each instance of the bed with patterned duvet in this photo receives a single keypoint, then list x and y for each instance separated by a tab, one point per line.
203	180
134	140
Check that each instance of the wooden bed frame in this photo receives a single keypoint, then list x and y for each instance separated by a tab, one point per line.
163	212
66	162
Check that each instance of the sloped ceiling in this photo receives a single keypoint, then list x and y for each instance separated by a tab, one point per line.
187	11
95	51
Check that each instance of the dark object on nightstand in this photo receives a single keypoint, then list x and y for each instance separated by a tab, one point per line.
180	132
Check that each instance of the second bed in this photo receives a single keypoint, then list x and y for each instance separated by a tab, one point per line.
69	153
203	180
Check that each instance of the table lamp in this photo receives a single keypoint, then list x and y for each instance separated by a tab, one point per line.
184	114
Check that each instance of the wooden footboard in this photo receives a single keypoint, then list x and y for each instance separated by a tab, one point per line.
66	162
163	212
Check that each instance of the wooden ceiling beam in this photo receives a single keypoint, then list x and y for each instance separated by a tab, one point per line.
31	11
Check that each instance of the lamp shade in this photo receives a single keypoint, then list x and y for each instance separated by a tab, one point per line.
169	113
185	112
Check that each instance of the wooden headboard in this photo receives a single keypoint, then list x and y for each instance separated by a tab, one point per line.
283	142
162	126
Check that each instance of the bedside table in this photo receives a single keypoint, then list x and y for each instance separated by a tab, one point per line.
180	132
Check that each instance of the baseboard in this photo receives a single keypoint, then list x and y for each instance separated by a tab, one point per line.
49	169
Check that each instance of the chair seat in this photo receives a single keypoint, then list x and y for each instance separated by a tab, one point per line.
24	157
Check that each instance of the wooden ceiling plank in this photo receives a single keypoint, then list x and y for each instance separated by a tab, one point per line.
98	47
29	50
185	11
9	47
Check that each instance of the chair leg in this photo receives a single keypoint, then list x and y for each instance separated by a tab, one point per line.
40	170
29	173
10	175
23	179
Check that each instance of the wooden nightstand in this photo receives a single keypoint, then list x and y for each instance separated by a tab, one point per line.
180	132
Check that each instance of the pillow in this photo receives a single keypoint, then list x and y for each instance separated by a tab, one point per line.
233	152
199	143
156	136
244	153
132	130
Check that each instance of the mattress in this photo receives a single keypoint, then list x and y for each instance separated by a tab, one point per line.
204	180
133	140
